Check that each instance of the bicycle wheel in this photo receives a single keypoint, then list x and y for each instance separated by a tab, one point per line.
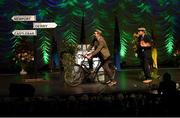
100	77
75	77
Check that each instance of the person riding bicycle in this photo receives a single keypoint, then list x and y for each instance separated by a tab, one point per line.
101	50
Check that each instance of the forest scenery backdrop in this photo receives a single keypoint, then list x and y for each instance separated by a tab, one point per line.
77	20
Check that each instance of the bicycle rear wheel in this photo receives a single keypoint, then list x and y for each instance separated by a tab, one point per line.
75	77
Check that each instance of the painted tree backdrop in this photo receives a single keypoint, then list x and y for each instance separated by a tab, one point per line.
159	16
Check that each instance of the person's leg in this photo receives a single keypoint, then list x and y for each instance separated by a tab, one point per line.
90	61
143	63
107	69
110	72
154	73
154	57
147	71
147	66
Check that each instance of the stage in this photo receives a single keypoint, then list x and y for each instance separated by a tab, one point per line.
50	84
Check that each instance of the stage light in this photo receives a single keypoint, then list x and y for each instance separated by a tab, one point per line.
45	48
125	37
77	12
170	33
144	7
101	1
70	36
88	5
58	20
42	13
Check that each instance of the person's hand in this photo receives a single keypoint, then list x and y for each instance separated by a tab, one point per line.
135	35
88	55
144	44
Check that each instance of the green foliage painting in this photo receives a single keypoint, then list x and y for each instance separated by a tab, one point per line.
159	16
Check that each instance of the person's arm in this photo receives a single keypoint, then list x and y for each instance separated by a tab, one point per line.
100	46
91	45
146	42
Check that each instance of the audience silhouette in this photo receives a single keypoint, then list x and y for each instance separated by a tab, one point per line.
167	86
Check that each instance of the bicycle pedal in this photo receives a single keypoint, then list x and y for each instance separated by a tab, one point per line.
92	71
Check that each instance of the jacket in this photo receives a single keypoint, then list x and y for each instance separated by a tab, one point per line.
101	48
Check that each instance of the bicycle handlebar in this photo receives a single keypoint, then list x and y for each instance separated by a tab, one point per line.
82	56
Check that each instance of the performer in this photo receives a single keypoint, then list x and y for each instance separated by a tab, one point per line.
154	73
90	61
154	51
154	56
135	43
101	50
144	50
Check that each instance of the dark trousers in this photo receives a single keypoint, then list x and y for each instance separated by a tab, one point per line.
90	61
146	62
107	65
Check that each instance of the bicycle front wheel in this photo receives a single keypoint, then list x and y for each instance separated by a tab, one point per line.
75	77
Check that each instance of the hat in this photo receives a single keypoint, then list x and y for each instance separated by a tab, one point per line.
141	29
99	31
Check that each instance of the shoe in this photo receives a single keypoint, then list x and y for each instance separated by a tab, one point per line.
92	71
113	75
109	81
112	83
147	81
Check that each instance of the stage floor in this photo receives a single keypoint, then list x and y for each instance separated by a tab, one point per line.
49	84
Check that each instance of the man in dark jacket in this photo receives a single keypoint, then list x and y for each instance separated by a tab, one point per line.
145	53
167	86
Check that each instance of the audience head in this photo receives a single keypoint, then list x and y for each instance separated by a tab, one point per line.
166	77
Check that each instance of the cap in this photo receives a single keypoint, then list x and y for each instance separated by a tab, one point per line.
141	29
99	31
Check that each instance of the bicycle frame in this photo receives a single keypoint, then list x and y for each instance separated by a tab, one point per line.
86	69
82	72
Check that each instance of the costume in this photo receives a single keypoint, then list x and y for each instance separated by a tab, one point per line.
101	50
145	54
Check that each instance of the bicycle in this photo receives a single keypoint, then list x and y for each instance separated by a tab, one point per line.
82	72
